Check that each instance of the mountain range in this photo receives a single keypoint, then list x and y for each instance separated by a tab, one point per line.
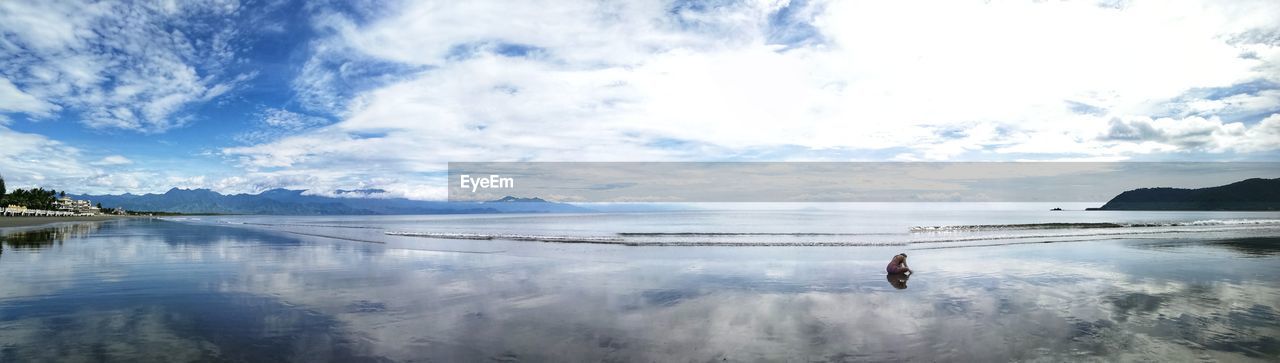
1248	195
295	202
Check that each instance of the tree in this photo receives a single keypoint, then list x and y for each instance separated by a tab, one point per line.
62	194
35	198
1	188
99	205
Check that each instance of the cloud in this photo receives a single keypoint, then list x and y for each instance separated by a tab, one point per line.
31	160
287	120
28	160
600	81
336	71
121	65
1197	134
13	99
1265	136
274	123
114	160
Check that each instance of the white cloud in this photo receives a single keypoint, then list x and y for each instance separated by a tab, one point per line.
13	99
31	160
274	123
1196	134
114	160
606	33
28	159
132	66
1265	136
576	80
1235	104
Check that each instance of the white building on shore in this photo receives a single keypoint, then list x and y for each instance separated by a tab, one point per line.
82	207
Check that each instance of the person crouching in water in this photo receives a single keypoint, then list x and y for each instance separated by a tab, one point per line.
898	265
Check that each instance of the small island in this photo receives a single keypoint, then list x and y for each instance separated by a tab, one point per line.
1255	194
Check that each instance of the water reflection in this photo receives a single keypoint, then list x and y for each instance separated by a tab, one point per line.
43	237
898	281
1252	246
167	291
1244	246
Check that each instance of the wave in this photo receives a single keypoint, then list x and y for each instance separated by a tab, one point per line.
622	240
510	237
1232	222
1068	235
917	237
734	234
941	247
337	237
1028	226
303	225
625	242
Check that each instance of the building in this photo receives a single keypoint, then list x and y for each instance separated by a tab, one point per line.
76	206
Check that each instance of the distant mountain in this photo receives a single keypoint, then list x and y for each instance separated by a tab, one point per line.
511	199
294	202
1247	195
364	192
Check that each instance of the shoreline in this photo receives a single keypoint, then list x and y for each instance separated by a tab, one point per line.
8	222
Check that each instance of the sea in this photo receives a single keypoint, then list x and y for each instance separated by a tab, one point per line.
991	282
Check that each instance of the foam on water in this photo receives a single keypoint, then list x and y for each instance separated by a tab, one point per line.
311	225
1024	226
635	242
960	234
733	229
510	237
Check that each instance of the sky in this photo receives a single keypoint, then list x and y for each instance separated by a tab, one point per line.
245	96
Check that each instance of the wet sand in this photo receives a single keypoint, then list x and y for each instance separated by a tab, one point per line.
36	221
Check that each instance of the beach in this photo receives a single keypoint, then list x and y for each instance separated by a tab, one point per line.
341	289
6	222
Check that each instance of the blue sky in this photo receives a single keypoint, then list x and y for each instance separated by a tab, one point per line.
243	96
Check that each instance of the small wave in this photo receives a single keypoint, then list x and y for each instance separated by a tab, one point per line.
624	242
768	244
993	227
1124	234
1232	222
303	225
744	234
384	242
940	247
713	241
337	237
512	237
1026	226
1008	240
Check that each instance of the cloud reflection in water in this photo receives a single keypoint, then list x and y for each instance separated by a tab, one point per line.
169	291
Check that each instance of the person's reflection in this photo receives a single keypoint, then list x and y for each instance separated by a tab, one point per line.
899	281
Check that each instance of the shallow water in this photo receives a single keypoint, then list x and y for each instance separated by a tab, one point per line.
153	290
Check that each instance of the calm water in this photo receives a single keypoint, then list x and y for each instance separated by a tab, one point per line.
1156	286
